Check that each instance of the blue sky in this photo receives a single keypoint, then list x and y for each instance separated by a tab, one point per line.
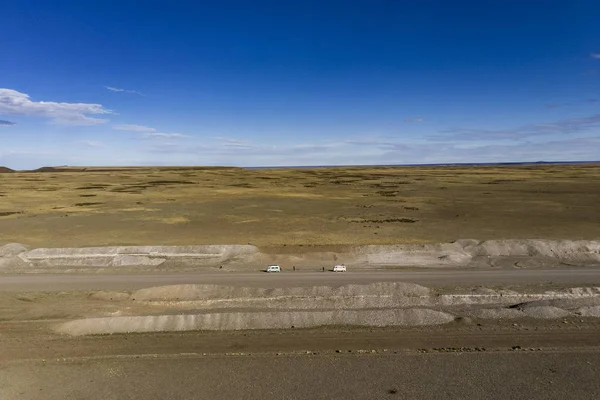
265	83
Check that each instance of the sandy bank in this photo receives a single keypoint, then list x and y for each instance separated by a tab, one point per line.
528	253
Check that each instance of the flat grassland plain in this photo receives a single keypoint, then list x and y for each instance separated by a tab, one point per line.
75	207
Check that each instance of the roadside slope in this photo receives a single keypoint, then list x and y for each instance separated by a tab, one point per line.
529	253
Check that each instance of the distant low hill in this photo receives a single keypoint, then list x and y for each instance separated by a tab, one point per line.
121	169
5	170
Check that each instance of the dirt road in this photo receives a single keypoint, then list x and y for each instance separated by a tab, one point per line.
73	282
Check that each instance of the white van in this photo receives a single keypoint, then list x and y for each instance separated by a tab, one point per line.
339	268
273	268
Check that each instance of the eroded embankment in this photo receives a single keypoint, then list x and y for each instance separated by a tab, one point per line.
261	320
211	307
467	252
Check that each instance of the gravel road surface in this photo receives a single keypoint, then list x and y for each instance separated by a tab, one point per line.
101	281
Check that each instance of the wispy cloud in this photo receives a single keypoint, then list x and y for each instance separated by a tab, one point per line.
159	135
374	151
133	128
586	101
4	122
13	102
115	89
595	56
32	153
240	152
414	119
576	149
92	143
227	142
376	142
566	126
229	139
148	132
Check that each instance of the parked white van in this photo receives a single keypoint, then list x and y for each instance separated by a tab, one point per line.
339	268
273	268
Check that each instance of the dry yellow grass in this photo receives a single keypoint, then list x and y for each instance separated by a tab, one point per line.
324	206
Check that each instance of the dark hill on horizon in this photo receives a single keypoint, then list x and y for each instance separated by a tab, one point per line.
6	170
128	168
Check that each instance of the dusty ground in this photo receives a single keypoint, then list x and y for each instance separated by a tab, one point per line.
335	206
528	358
513	375
536	360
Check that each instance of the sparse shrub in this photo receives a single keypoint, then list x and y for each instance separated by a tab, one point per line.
8	213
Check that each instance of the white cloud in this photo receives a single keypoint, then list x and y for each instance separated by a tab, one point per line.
115	89
414	120
595	55
159	135
13	102
133	128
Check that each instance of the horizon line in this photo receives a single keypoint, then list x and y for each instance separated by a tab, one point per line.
310	166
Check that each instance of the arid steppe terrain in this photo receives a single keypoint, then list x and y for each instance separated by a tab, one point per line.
147	283
319	206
